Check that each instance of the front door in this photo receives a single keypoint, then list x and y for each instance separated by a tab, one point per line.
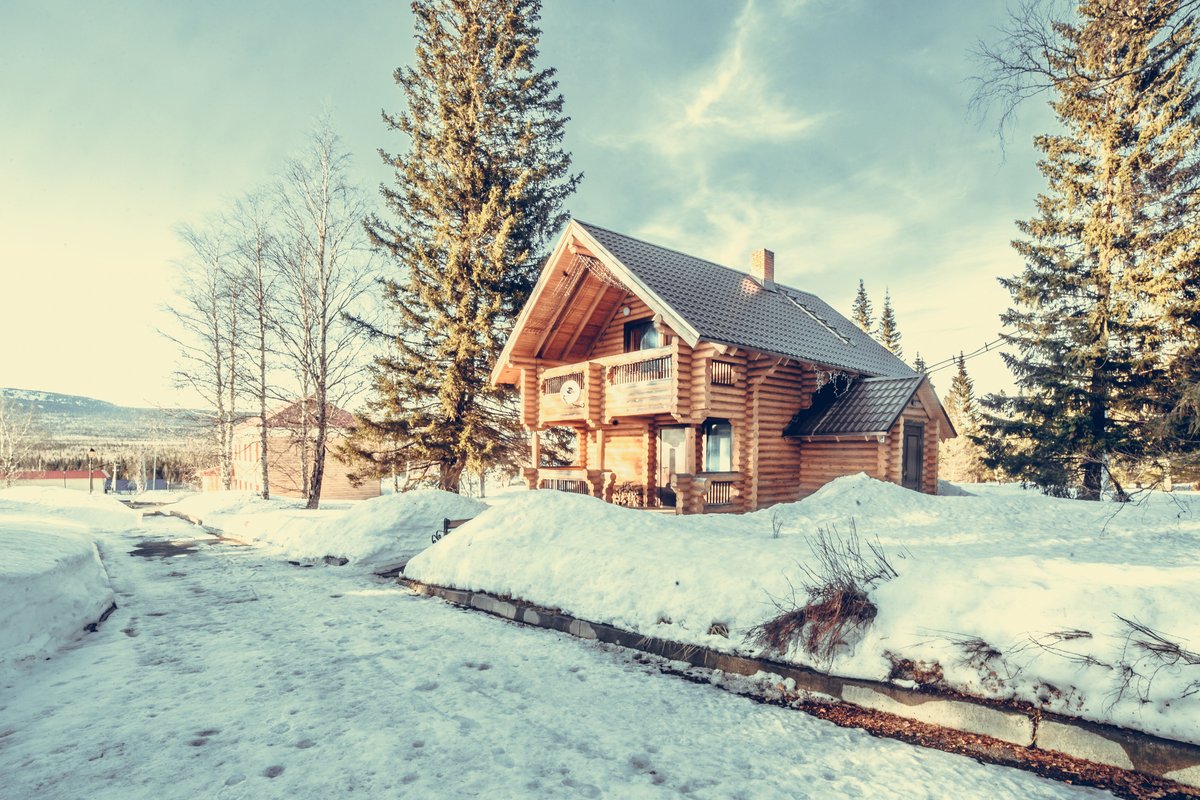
670	461
914	451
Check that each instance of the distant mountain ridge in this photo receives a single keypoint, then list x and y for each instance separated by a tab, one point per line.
68	418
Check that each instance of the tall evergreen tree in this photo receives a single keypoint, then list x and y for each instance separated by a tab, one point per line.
919	364
961	458
960	401
477	196
861	310
888	334
1114	230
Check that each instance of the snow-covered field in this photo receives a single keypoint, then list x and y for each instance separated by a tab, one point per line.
1008	593
227	673
382	531
52	582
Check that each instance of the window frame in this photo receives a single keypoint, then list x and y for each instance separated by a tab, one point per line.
723	429
641	327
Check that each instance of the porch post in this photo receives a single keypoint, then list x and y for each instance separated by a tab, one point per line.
689	450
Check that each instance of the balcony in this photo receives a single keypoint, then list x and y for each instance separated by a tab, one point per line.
564	394
629	384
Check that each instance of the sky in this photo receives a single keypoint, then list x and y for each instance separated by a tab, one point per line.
836	134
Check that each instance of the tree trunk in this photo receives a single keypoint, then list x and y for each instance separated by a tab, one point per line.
318	464
450	476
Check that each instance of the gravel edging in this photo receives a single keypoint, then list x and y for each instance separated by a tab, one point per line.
1131	763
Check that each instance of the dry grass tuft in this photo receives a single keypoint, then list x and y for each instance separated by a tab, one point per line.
837	593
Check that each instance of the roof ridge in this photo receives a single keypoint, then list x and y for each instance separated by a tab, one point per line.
734	270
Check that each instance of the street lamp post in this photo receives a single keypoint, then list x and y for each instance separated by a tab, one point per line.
91	476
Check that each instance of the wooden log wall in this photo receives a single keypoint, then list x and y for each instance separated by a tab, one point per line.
823	461
625	453
894	447
776	390
612	341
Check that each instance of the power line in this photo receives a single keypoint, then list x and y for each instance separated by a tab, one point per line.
952	360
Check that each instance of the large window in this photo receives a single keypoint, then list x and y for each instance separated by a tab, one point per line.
718	446
641	335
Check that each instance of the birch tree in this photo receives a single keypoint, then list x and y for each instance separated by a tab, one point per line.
324	271
208	315
255	274
19	437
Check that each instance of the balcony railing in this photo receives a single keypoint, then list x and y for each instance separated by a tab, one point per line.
629	384
651	369
557	405
553	385
642	382
719	493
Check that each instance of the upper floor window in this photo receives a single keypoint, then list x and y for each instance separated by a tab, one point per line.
641	335
718	446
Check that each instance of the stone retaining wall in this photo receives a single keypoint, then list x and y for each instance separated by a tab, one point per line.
1018	724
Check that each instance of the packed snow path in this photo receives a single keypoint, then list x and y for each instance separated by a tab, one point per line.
225	674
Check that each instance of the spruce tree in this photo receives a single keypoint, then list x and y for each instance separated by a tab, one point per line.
960	402
861	310
1113	231
888	334
961	458
919	364
477	196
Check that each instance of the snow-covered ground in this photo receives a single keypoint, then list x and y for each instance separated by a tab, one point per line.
1009	593
385	530
227	673
52	582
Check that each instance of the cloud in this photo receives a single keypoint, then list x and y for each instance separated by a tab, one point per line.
730	102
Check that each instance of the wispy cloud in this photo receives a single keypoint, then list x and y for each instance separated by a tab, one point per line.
728	103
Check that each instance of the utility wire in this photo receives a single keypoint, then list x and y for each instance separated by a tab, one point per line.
952	360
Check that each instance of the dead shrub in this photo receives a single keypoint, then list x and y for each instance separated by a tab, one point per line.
837	593
922	673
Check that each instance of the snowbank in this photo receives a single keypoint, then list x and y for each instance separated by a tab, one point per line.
381	531
1039	581
66	508
52	582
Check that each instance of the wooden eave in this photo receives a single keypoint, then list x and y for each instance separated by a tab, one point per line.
524	345
933	406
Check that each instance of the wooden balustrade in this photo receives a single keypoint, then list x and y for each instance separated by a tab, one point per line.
554	383
650	369
722	373
719	493
570	485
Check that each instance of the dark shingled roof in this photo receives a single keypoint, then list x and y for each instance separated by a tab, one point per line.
866	405
728	306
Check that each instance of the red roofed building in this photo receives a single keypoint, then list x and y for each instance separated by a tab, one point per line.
64	478
284	431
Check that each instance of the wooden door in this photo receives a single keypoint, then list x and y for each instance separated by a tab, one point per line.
914	455
671	441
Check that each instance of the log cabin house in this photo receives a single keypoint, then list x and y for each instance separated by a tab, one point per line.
694	388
